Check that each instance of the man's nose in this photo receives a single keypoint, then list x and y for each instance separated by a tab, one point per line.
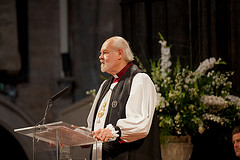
235	145
101	56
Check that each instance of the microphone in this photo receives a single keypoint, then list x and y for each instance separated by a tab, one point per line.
50	102
60	93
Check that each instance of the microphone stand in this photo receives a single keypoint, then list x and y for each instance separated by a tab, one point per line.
49	105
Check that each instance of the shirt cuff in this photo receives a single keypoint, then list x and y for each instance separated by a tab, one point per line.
115	132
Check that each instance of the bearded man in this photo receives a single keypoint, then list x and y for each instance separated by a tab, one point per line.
123	113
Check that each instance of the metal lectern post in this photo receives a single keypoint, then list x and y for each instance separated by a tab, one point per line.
57	145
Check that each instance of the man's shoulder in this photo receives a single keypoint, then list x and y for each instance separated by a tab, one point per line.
142	75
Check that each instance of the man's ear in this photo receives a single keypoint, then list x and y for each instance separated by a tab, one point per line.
120	54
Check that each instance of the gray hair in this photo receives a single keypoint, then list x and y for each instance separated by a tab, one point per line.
119	42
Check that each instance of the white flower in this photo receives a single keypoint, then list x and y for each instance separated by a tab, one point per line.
165	59
213	102
215	118
161	101
165	51
163	43
205	65
234	100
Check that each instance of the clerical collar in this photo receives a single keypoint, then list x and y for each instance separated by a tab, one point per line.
118	76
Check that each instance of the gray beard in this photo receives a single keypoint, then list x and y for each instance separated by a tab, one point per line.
104	68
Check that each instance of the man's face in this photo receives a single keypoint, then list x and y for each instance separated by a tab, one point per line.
236	143
108	58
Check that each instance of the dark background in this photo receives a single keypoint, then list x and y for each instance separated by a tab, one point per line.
196	29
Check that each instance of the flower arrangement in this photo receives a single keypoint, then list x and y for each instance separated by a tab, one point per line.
192	101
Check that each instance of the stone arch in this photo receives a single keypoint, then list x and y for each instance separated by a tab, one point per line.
14	144
12	117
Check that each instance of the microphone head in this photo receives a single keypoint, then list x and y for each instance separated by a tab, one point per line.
60	93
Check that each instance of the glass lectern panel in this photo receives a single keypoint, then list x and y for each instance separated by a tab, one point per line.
59	135
69	135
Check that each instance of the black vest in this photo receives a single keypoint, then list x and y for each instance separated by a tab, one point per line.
144	149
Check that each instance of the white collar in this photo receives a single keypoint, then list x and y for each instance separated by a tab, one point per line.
115	76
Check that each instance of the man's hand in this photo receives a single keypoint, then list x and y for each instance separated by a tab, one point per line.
53	144
102	134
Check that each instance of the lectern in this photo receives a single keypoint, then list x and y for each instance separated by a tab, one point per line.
60	134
